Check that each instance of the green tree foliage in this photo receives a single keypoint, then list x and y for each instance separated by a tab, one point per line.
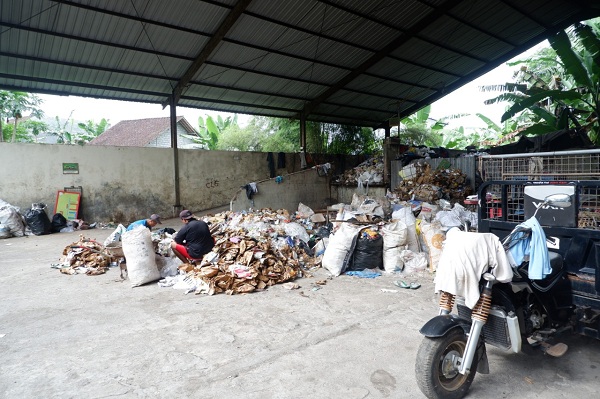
268	134
14	104
350	140
235	138
64	130
278	134
91	130
27	131
415	129
211	129
262	134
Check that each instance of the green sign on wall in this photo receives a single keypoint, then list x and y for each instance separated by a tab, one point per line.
70	168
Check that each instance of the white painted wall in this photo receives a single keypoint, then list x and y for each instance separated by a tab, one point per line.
164	139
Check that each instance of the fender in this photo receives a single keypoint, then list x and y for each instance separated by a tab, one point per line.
440	325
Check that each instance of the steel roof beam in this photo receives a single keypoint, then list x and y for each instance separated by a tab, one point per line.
405	31
291	111
400	40
160	77
347	43
258	16
472	26
157	53
212	44
265	49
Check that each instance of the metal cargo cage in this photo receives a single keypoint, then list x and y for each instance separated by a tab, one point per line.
543	168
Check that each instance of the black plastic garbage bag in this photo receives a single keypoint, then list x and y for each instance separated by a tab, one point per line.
38	221
59	222
367	252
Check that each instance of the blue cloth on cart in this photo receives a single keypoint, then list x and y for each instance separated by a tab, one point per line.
535	247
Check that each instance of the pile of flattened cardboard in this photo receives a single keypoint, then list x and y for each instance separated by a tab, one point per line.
85	256
252	251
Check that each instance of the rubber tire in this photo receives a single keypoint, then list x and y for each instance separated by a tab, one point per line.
428	366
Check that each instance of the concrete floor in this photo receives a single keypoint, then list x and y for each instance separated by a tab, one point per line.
96	337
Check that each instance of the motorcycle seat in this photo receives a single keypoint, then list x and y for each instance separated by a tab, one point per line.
556	263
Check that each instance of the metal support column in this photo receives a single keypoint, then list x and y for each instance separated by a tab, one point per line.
177	206
303	140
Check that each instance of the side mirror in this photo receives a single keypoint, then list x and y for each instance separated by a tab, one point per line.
559	200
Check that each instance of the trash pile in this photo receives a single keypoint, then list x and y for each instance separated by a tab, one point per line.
86	256
12	223
35	221
245	265
254	250
422	183
368	173
392	234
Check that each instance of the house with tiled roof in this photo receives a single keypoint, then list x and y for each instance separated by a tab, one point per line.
150	132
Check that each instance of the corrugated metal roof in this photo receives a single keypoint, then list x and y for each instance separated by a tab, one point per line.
341	61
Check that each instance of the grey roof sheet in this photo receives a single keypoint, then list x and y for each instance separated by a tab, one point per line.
341	61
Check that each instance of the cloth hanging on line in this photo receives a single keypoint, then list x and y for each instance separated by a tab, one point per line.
251	189
280	160
271	164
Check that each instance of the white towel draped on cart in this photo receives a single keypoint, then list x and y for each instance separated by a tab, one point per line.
464	259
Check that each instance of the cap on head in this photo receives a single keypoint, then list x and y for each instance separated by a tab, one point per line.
156	218
185	214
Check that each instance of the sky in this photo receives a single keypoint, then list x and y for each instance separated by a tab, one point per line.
468	99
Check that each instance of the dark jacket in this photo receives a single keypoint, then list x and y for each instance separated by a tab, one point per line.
196	237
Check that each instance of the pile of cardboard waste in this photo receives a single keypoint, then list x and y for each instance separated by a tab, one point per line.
86	256
253	250
423	183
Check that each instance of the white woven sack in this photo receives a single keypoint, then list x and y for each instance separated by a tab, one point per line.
433	237
394	242
338	247
139	255
10	218
406	216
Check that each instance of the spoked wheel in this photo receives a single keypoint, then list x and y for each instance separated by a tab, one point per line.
437	376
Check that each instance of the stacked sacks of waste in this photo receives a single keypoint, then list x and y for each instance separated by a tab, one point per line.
368	236
391	234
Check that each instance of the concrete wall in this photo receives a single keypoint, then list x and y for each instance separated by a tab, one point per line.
123	184
304	186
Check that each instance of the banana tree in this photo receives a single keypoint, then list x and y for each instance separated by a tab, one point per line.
569	101
91	130
209	130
